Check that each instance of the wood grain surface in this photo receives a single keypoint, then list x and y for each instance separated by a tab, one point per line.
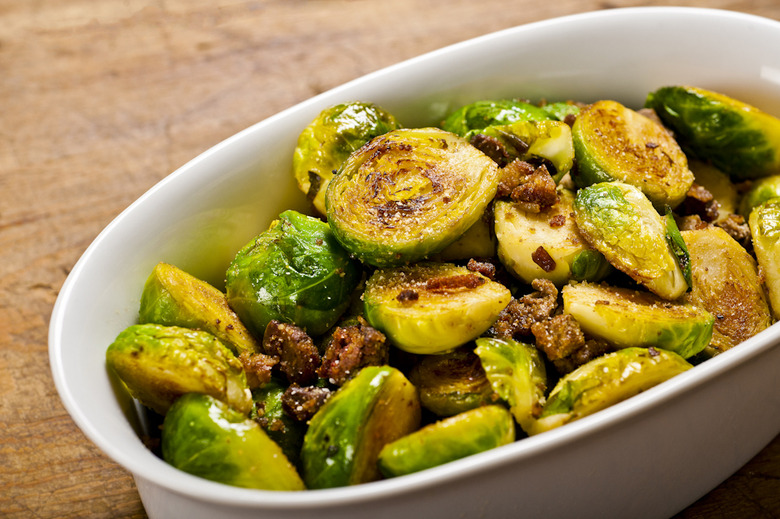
101	99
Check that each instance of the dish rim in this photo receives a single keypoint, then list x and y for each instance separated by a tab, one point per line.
160	473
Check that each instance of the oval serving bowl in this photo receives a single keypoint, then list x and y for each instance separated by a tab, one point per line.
649	456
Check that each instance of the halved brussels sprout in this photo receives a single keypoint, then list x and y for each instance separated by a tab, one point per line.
517	373
408	194
158	364
726	284
205	437
280	427
550	141
472	118
450	439
719	185
765	227
605	381
330	138
612	142
172	297
452	382
620	222
737	138
547	244
344	438
762	190
626	318
432	307
479	241
294	272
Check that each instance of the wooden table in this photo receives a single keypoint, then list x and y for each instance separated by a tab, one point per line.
103	99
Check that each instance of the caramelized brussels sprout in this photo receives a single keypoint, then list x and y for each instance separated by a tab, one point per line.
612	142
158	364
172	297
205	437
726	284
517	373
548	141
737	138
452	382
294	272
408	194
330	138
344	438
432	307
762	190
547	244
450	439
605	381
474	117
620	222
626	318
281	428
765	227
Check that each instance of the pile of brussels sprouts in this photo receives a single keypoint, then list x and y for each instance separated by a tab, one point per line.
652	235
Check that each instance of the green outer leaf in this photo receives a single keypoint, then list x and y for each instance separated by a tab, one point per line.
677	246
280	427
205	437
481	114
450	439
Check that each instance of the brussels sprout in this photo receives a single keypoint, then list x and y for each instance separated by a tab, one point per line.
719	185
432	307
344	438
452	382
560	110
620	222
280	427
762	190
605	381
205	437
330	138
726	284
626	318
612	142
172	297
472	118
738	139
517	373
295	272
450	439
550	141
547	244
765	227
408	194
478	241
158	364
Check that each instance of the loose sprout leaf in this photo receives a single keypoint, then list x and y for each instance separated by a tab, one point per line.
479	115
737	138
677	245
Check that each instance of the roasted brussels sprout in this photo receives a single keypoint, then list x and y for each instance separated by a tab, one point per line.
726	284
765	227
719	185
330	138
613	142
205	437
560	110
452	382
268	411
158	364
547	244
408	194
605	381
479	241
344	438
432	307
517	373
737	138
625	318
294	272
762	190
474	117
450	439
172	297
621	223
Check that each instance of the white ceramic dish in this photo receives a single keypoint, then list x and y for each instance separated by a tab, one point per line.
647	457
